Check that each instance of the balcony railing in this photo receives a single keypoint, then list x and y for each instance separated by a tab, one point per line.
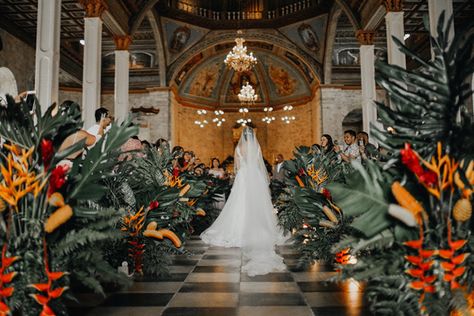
183	5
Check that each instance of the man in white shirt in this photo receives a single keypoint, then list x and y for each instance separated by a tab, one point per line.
278	171
351	151
103	120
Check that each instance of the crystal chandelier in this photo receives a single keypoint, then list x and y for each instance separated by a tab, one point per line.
247	94
238	59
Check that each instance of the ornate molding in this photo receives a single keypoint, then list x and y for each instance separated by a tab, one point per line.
146	110
94	8
365	37
393	5
122	42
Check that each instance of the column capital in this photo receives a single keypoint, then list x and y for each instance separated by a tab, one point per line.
365	37
94	8
122	42
393	5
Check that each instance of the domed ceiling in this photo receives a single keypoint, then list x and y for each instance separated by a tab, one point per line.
277	82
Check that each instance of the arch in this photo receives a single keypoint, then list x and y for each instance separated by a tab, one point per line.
353	120
355	21
137	19
330	38
269	37
7	84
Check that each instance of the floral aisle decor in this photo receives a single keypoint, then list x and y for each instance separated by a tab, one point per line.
50	217
305	207
160	229
412	227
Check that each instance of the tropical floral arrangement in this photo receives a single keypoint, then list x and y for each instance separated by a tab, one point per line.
162	208
305	206
412	227
52	224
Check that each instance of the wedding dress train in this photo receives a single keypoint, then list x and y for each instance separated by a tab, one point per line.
247	219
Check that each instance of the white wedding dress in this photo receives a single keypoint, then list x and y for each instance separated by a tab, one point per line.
247	219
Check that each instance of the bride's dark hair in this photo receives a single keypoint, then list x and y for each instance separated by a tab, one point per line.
248	133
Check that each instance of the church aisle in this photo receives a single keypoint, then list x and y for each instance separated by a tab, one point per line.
210	283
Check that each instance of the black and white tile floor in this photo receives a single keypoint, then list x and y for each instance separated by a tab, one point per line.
211	283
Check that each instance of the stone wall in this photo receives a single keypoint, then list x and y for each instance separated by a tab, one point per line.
20	59
337	102
70	94
277	137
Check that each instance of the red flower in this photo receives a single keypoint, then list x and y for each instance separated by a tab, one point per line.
326	194
153	205
57	178
412	162
428	177
47	152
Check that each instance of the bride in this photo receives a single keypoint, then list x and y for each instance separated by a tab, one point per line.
248	220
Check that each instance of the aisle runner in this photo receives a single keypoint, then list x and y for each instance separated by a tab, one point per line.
210	283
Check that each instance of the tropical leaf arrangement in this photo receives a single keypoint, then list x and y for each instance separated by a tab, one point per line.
163	207
52	224
412	227
305	206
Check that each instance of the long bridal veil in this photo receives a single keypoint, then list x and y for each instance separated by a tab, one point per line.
248	220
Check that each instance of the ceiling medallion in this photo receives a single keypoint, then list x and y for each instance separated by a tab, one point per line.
238	59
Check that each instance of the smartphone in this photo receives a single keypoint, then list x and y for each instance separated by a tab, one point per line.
361	142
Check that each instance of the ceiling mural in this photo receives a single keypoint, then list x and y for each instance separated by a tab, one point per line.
277	80
202	81
179	36
308	35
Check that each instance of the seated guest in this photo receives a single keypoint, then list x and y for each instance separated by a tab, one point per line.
326	143
145	145
366	149
216	170
199	169
76	137
132	144
102	120
351	150
160	142
186	162
316	148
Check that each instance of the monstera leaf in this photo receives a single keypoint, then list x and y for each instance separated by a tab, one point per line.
364	196
428	103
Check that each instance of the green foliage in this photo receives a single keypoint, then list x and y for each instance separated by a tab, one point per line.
428	100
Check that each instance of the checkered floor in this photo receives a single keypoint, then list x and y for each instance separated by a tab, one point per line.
211	283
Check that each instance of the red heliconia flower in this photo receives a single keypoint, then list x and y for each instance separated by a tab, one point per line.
57	178
47	151
301	172
410	159
153	205
5	278
325	192
428	177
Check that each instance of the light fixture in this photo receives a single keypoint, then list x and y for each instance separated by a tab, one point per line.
82	42
406	36
218	119
288	119
247	94
243	110
244	121
268	119
201	112
288	108
238	59
201	123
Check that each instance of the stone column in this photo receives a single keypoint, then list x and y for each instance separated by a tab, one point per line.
122	57
47	52
435	8
395	28
92	59
367	75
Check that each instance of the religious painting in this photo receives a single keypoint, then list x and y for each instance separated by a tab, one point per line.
284	83
179	39
205	81
141	60
301	65
309	37
182	73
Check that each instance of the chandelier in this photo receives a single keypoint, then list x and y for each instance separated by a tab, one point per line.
268	119
238	59
247	94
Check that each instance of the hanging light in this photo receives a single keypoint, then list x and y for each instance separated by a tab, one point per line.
288	119
244	121
288	108
201	112
268	119
218	119
247	94
201	123
238	59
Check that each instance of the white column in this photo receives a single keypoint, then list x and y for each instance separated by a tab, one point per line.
395	28
92	69
435	8
122	57
47	52
367	76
